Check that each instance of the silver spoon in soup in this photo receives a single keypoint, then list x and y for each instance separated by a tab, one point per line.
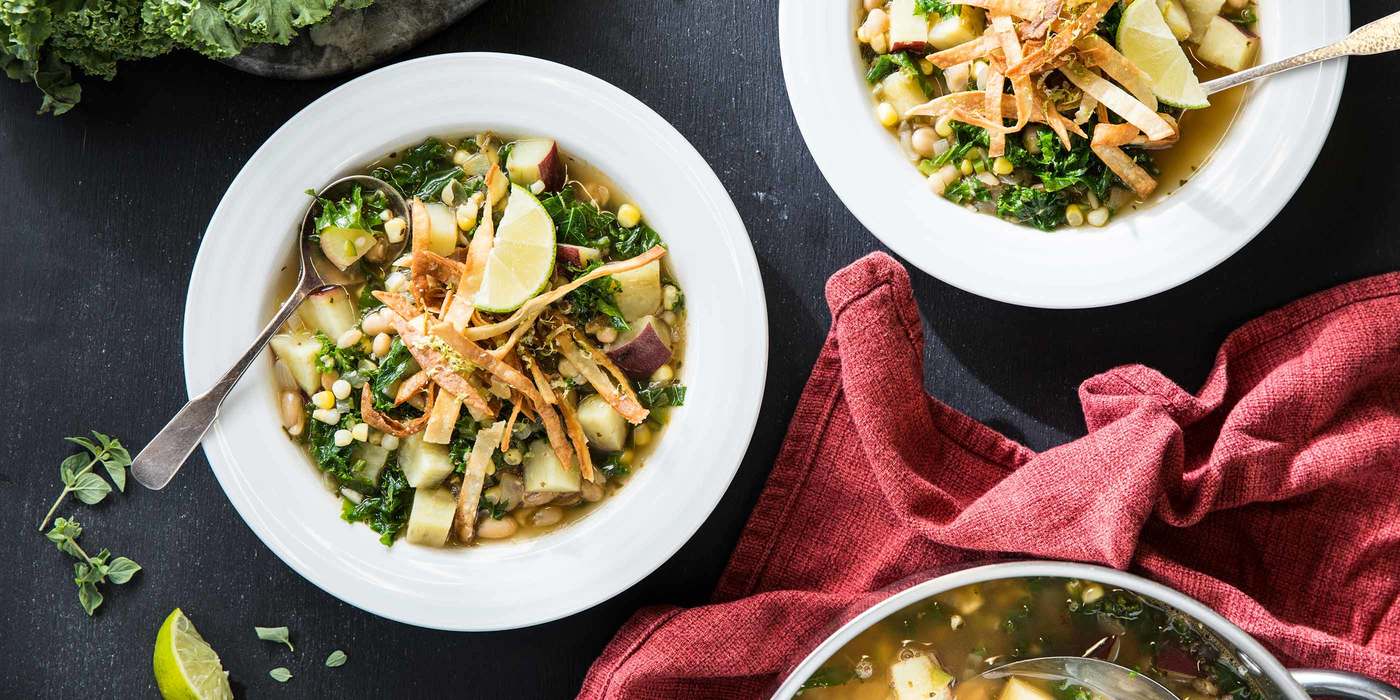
1104	679
1380	36
329	256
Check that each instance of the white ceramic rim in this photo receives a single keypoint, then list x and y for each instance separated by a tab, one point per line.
1246	183
1243	644
501	586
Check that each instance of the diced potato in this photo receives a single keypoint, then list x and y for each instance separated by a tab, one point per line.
1017	689
908	29
1227	46
345	246
604	427
423	463
544	472
919	678
431	517
329	312
299	352
967	600
1177	19
374	458
1199	13
640	291
957	29
442	234
902	92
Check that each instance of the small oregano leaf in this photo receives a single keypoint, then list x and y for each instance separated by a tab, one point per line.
280	674
280	635
337	658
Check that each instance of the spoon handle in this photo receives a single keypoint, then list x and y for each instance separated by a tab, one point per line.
156	465
1380	36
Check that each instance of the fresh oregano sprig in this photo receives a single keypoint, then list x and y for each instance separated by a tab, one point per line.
79	477
89	571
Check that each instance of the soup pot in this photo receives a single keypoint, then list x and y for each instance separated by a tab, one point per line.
1267	670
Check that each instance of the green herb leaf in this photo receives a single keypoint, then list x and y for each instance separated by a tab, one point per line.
422	171
1039	208
68	470
336	659
280	674
942	8
828	677
661	394
280	635
121	570
89	597
596	298
90	488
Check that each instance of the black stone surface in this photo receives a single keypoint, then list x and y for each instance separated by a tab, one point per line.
103	212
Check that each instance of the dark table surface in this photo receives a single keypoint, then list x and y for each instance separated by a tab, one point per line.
104	212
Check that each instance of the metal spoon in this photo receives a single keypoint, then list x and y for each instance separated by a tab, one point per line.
1105	678
168	450
1380	36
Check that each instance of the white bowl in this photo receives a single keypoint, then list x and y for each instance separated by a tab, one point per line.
1258	167
272	483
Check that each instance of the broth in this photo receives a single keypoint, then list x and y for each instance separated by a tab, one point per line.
976	628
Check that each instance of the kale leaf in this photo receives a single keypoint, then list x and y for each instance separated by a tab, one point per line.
423	171
965	138
1028	205
828	677
968	189
661	394
355	211
386	511
596	298
886	64
337	359
942	8
582	223
337	461
612	466
393	368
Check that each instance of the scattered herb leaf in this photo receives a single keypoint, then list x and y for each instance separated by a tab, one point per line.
280	674
90	570
280	635
336	659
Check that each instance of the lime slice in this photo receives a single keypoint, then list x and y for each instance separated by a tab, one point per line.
1146	40
522	259
186	667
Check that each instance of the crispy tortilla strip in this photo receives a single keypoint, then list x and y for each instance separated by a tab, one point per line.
993	102
974	103
576	436
1087	105
624	382
473	478
463	307
443	419
541	382
488	362
400	304
435	364
1024	9
1025	102
420	225
1120	102
964	52
442	269
510	425
1036	28
558	438
410	387
525	316
627	406
1094	51
1114	135
1010	43
1122	165
1063	40
388	425
497	185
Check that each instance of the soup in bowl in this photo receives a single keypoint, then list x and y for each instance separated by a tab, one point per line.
936	639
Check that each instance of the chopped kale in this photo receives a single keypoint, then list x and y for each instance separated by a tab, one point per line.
337	359
596	298
582	223
1108	26
422	171
942	8
337	461
965	138
612	466
886	64
828	677
968	189
1028	205
392	369
355	211
386	511
661	394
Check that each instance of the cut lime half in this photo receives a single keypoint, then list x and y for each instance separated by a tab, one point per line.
1146	40
522	259
186	666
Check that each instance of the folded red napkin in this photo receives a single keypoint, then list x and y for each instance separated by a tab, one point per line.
1273	495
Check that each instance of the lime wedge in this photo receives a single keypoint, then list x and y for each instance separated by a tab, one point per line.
522	259
1146	40
186	667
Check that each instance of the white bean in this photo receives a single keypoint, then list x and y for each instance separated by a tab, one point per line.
546	516
492	529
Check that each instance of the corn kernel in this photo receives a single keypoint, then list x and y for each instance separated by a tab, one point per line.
340	389
329	416
343	438
466	217
628	216
390	442
323	399
1074	215
925	66
641	436
394	228
664	373
943	127
360	432
1003	166
1098	217
886	113
966	166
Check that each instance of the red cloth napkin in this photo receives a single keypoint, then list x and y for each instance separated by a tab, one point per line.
1273	495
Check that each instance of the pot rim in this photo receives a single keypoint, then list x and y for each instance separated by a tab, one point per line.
1249	650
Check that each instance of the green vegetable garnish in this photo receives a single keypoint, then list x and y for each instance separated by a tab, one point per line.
1028	205
580	222
89	571
79	478
280	635
337	658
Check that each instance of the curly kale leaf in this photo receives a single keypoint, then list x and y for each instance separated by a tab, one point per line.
423	171
386	510
583	223
596	298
